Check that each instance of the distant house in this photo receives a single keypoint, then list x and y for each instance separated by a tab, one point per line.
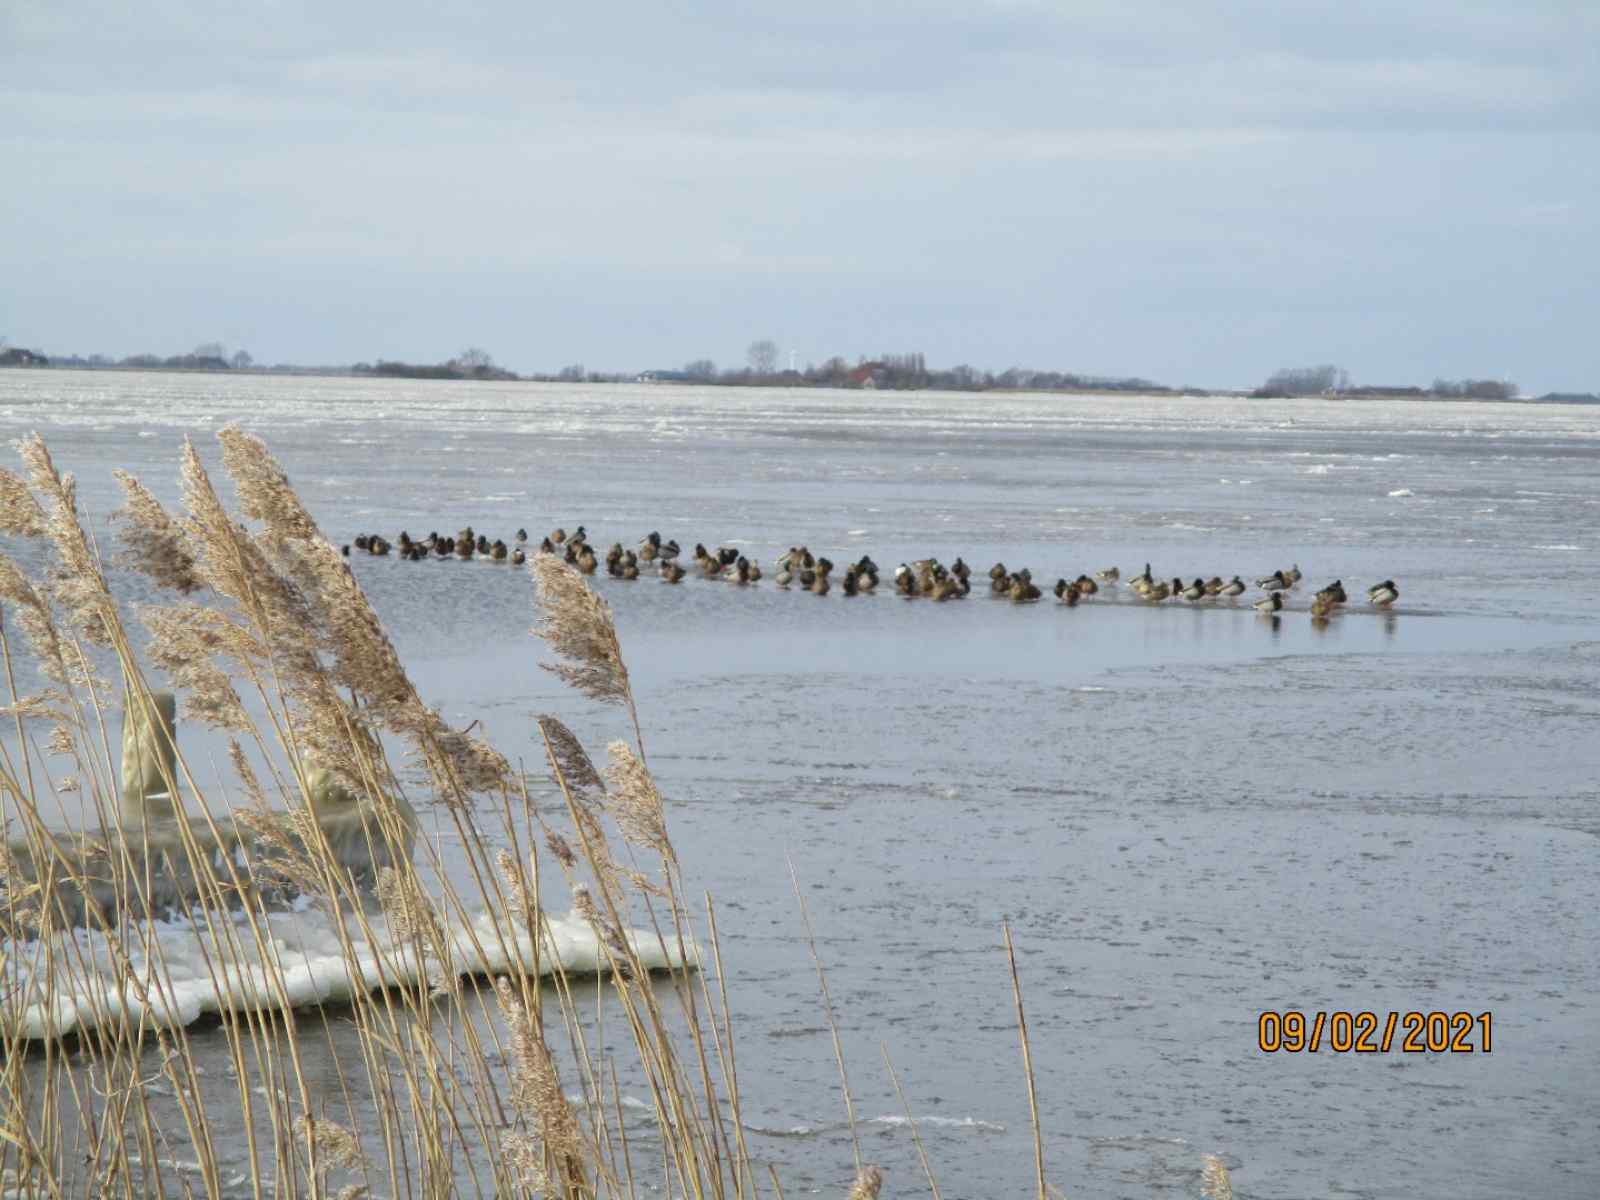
867	375
18	357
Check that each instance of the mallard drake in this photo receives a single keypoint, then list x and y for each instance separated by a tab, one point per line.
1383	594
850	585
363	541
866	574
1086	586
1276	582
1067	593
518	557
1195	591
1109	575
579	535
960	569
650	546
522	537
483	543
905	582
670	551
1234	587
784	577
1271	603
466	544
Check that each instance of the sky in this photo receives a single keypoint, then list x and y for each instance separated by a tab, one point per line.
1194	192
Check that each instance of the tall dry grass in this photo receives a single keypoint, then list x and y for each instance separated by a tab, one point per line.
441	1086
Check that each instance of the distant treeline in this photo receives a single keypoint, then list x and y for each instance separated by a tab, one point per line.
448	370
892	372
1329	380
900	372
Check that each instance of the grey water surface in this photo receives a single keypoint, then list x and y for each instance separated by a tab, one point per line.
1186	815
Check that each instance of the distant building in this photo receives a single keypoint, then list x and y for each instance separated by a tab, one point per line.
867	375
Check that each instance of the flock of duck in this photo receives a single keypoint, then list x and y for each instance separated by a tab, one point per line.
926	578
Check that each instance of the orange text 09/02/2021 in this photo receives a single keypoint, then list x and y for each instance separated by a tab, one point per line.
1344	1032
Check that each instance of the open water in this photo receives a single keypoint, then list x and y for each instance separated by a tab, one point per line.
1187	815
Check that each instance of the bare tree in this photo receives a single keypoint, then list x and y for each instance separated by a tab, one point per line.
763	357
701	368
474	358
211	350
242	360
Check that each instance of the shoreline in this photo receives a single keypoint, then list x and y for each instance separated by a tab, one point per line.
1107	393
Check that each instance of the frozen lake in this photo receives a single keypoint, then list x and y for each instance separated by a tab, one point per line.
1187	815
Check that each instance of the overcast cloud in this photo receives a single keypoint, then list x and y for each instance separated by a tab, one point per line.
1195	192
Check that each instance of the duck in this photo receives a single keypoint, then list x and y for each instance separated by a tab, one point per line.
1214	586
672	572
948	588
1108	575
587	562
960	569
522	537
1022	589
650	546
866	574
345	549
1067	593
1383	594
558	536
670	551
999	579
727	555
1086	586
498	551
1195	591
1321	606
1335	592
614	559
363	541
820	584
1234	587
518	557
785	576
1269	604
905	582
741	571
1276	582
850	585
547	547
1155	592
483	544
466	544
1294	575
